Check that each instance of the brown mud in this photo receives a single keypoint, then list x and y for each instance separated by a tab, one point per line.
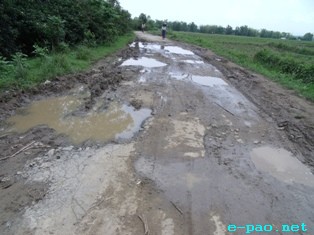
178	141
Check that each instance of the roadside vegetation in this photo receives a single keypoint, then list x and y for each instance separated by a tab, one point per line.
43	39
23	72
290	63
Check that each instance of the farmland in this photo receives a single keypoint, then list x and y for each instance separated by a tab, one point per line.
290	63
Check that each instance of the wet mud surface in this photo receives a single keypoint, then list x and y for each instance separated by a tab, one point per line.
160	138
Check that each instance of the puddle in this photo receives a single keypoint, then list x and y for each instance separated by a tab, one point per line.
194	62
144	61
281	164
153	47
169	49
178	50
117	121
209	81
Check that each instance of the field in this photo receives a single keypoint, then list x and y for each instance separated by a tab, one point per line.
290	63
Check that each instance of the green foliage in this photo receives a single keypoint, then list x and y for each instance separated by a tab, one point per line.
308	37
4	65
54	30
63	47
51	23
39	69
20	67
143	18
90	39
41	52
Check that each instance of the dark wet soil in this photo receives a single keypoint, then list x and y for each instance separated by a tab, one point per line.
195	156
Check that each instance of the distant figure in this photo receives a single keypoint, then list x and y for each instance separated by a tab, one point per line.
163	30
143	27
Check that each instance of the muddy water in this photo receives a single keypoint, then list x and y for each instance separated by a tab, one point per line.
208	81
144	61
282	165
194	61
117	121
178	50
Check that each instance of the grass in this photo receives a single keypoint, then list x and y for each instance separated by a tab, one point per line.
33	71
243	50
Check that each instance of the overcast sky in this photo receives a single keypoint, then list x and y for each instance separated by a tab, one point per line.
293	16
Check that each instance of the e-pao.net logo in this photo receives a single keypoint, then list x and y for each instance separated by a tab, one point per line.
267	228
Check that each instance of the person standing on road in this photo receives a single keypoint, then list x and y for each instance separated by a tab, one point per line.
163	30
143	27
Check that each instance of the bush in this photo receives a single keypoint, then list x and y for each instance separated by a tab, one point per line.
24	23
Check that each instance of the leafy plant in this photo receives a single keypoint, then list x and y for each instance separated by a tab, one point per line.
20	67
4	65
41	52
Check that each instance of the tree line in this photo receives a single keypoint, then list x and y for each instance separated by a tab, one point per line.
215	29
56	23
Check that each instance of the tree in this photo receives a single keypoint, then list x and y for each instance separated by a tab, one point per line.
229	30
192	27
143	18
26	23
244	30
308	37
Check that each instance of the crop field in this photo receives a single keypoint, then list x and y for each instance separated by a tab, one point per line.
290	63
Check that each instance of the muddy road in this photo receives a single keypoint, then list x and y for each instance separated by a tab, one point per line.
161	138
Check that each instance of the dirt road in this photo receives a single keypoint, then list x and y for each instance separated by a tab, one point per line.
161	138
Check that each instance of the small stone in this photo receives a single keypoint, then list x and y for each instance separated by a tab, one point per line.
256	142
58	157
19	173
51	152
32	164
5	179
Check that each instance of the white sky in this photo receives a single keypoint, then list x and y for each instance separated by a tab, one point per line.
293	16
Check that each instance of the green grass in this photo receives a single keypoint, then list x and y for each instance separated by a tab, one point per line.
37	70
242	51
